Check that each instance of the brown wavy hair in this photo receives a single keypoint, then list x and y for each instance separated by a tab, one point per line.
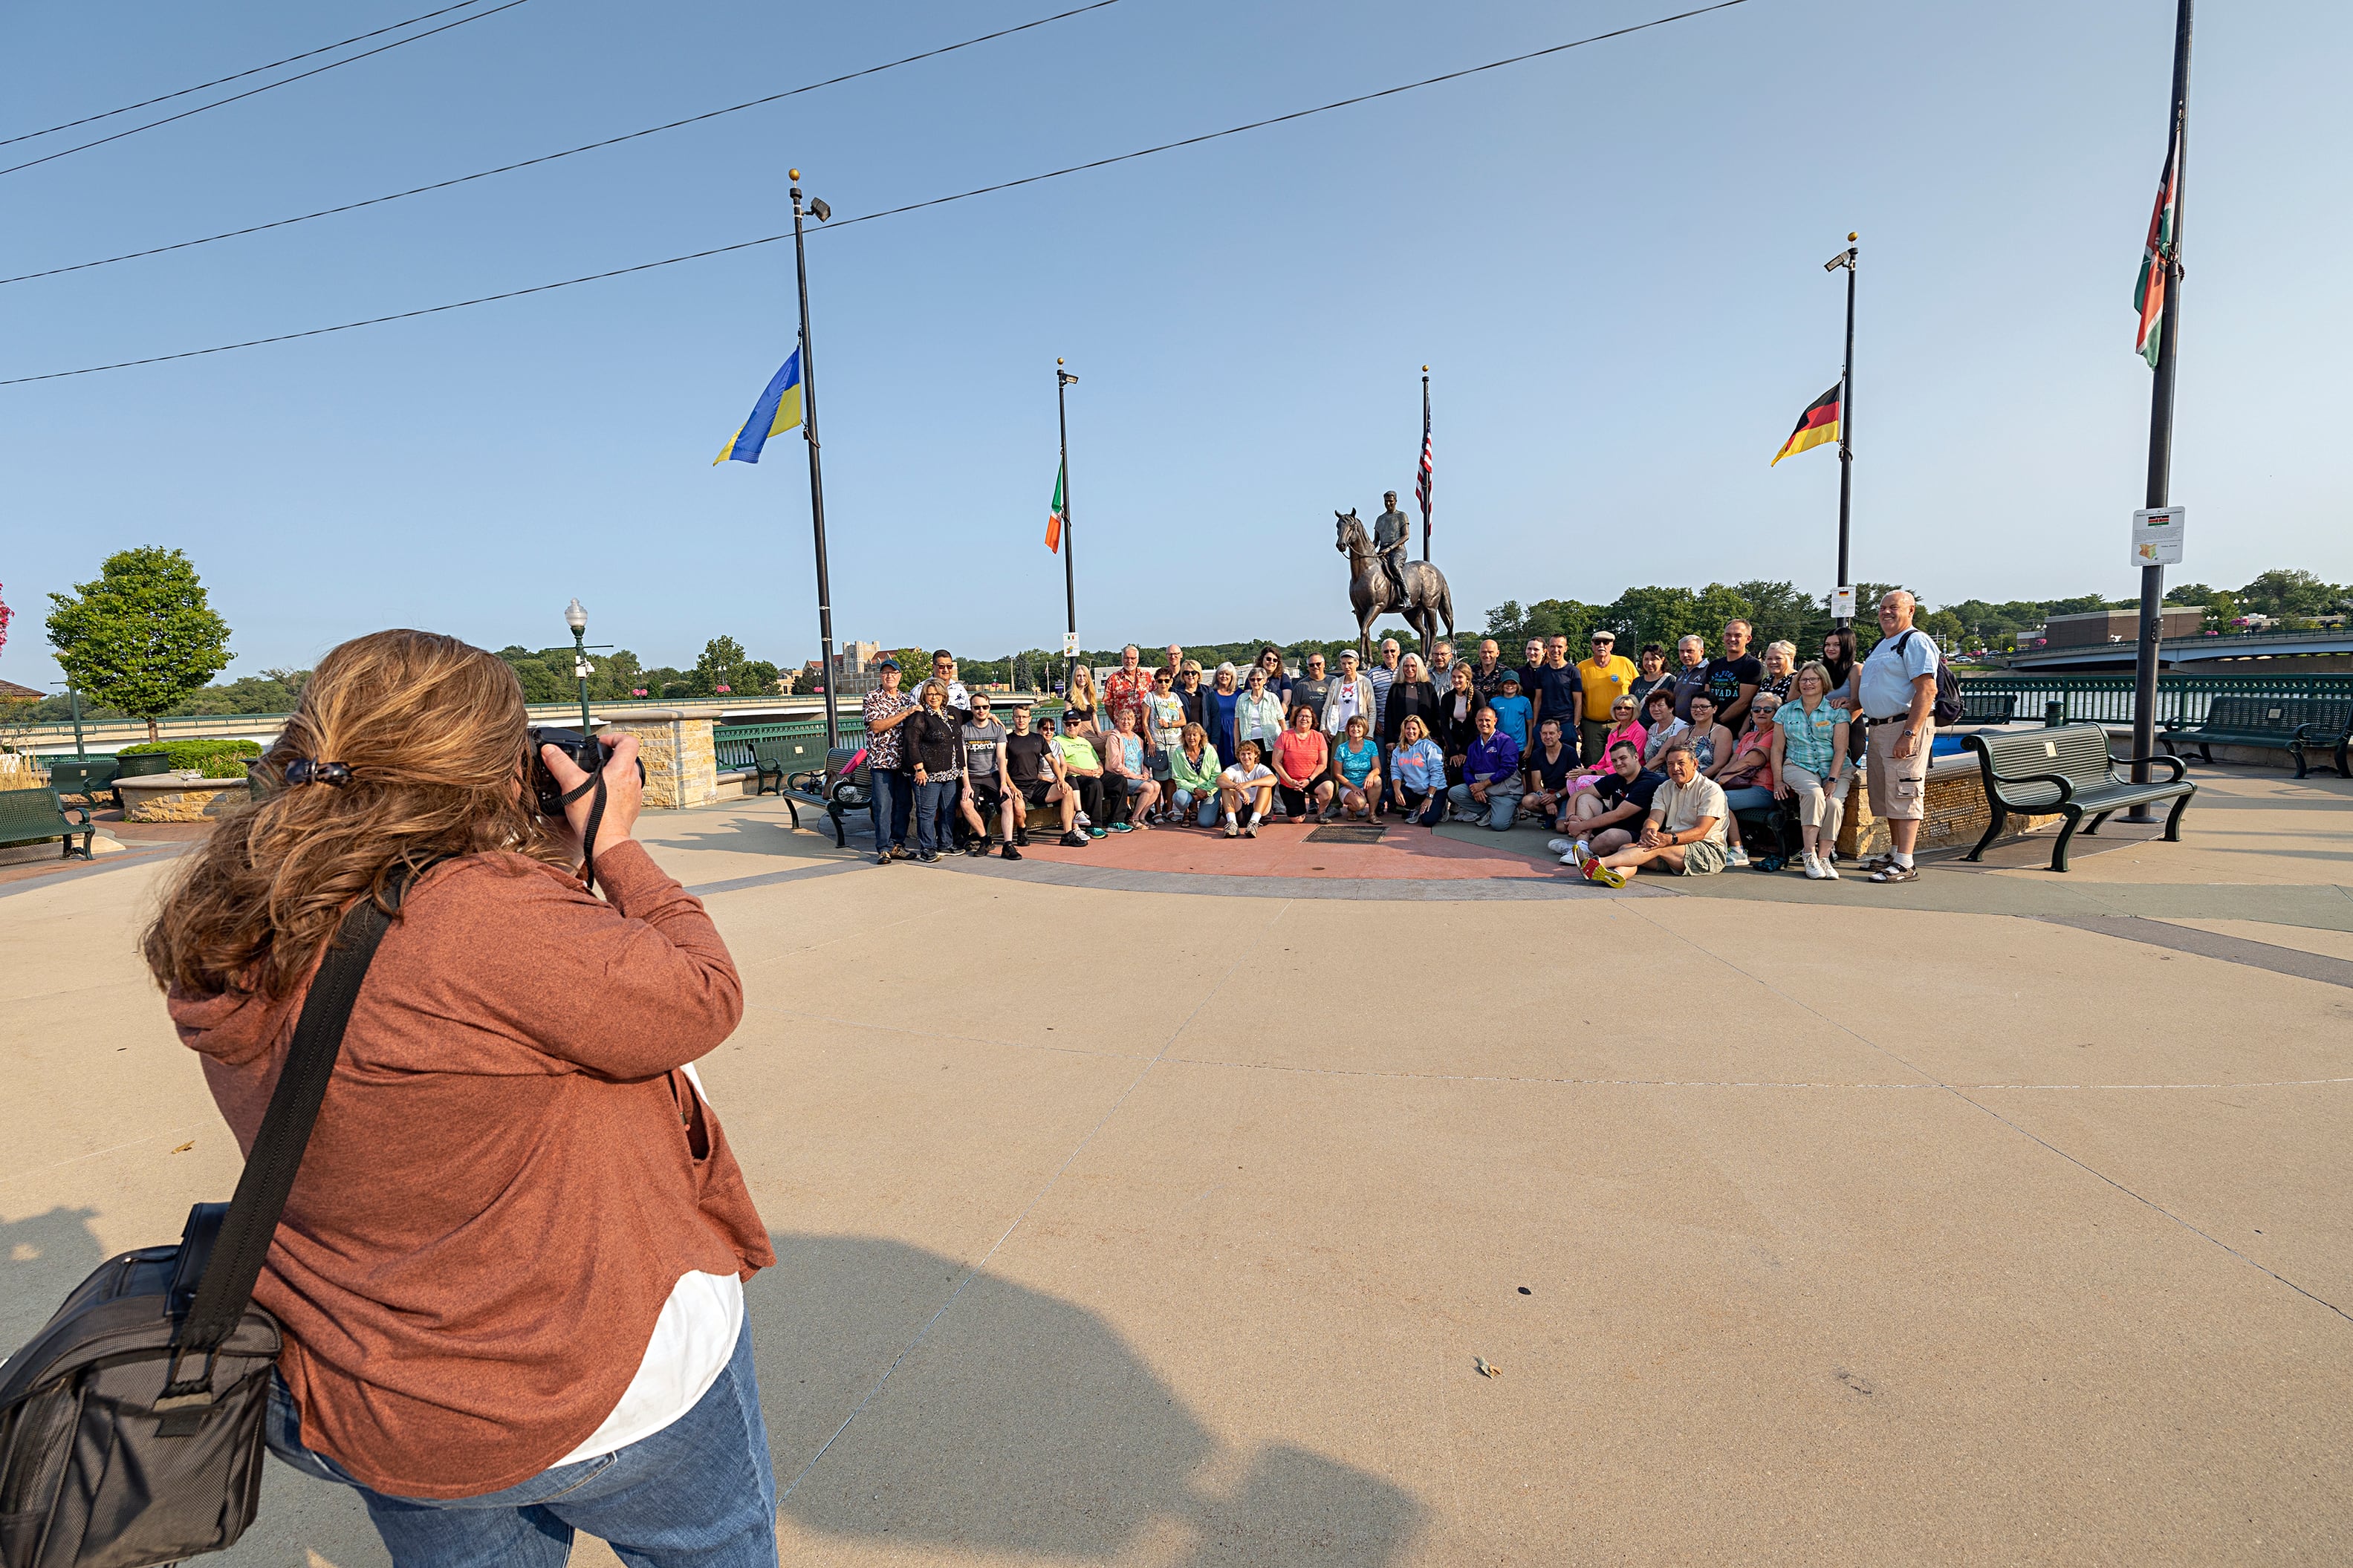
432	730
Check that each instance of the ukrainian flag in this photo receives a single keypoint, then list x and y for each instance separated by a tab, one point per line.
778	410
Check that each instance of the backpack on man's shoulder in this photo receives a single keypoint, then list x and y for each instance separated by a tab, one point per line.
1947	708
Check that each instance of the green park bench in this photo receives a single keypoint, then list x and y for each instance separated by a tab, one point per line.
1988	707
140	765
81	777
31	815
2295	724
2066	769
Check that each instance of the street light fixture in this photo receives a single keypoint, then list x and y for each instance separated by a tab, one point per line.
578	620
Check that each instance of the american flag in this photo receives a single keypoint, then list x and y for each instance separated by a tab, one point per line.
1421	479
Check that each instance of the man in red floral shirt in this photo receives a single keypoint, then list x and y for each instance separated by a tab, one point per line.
1128	690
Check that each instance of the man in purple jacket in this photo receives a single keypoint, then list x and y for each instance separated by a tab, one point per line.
1489	790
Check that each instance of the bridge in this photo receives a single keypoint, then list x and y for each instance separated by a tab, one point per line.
113	734
2325	650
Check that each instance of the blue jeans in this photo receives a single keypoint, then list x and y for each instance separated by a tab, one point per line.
1432	807
935	815
1503	803
893	797
700	1493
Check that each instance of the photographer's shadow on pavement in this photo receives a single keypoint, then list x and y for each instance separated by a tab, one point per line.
1023	1425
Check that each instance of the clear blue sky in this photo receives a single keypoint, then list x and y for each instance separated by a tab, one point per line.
1612	259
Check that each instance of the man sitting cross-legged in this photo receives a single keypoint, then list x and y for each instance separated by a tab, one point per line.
1608	816
1683	831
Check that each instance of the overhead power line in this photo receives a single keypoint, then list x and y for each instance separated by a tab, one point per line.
235	76
248	92
890	212
566	152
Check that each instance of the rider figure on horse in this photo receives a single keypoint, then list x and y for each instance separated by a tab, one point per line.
1391	534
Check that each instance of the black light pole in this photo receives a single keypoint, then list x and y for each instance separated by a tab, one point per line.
578	620
1063	378
817	475
1845	258
2160	422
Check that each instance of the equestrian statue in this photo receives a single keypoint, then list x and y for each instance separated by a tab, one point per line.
1383	583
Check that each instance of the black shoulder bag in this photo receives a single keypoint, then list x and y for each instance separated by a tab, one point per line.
130	1428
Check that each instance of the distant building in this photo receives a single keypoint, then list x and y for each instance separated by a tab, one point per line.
2100	626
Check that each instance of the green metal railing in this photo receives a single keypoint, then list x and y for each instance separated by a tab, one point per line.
803	740
2109	698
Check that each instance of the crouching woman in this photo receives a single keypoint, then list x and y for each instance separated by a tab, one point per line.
511	1271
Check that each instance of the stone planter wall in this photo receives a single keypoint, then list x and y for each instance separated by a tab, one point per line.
177	798
681	763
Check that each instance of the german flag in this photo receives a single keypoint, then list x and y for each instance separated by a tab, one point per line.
1818	423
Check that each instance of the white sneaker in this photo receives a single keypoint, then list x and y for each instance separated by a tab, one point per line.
1829	869
1813	867
1738	856
1560	846
1233	828
1085	821
1252	831
1579	854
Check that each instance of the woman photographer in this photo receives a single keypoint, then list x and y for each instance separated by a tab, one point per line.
510	1272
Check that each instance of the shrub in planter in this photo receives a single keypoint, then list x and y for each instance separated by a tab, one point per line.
215	758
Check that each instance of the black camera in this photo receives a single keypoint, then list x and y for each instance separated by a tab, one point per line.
587	754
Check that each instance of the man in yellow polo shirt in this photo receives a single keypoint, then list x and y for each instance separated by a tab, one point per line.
1605	677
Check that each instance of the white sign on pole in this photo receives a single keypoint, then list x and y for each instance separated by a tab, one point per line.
1070	644
1842	603
2157	536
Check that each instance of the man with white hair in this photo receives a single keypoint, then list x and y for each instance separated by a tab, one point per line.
1898	689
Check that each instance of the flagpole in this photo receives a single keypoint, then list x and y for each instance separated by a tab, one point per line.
1062	379
1846	419
817	474
2161	421
1424	486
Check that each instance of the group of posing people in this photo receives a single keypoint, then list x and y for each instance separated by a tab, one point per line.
1633	763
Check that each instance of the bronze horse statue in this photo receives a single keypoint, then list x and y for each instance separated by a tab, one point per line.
1371	595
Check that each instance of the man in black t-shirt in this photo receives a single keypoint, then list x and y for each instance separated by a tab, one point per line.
1733	677
1558	693
1609	815
1031	776
1549	764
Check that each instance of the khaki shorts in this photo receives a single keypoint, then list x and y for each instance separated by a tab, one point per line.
1704	859
1899	786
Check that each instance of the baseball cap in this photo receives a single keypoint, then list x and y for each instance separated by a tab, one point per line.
886	663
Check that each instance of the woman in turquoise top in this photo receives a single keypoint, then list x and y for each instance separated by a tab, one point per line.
1417	772
1809	762
1359	762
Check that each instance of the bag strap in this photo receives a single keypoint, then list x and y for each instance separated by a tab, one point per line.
251	1223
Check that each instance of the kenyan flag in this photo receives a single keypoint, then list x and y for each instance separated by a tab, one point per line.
2158	257
1054	514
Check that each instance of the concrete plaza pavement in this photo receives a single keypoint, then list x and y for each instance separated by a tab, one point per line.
1995	1218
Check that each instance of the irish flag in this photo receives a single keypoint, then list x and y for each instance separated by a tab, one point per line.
2156	256
1054	515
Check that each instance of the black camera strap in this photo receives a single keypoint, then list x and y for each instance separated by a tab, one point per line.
594	781
251	1223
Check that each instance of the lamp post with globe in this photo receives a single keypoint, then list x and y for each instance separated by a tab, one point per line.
578	620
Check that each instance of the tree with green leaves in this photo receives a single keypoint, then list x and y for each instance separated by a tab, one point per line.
142	637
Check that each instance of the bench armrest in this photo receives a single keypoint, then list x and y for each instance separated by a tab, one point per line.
2066	785
2180	768
83	810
